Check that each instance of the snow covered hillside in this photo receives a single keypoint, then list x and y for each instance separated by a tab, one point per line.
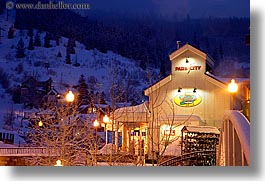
105	69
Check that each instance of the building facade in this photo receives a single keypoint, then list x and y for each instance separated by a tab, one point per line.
190	95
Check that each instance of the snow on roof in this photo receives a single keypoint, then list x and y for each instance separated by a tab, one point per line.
184	48
201	129
4	145
132	113
17	139
107	149
141	108
226	80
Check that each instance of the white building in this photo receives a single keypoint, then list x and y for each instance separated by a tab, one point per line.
190	95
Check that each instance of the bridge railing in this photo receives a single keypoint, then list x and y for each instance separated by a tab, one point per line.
27	151
234	145
205	158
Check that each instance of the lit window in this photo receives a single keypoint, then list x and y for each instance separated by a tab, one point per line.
169	132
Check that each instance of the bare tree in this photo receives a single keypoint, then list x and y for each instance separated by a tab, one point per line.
163	123
65	135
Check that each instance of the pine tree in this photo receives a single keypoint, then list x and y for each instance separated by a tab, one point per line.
20	49
47	41
37	41
83	98
30	32
11	32
221	51
162	70
31	44
143	64
57	39
70	46
59	54
68	59
102	97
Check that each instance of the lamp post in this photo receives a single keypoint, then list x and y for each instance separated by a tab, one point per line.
233	88
96	124
106	121
70	97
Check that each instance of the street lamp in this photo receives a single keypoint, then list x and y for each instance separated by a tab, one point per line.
96	123
40	123
106	121
58	163
233	88
70	97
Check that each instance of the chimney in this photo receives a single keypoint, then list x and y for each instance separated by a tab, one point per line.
178	44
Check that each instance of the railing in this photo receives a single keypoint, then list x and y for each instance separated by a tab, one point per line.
234	145
27	151
198	158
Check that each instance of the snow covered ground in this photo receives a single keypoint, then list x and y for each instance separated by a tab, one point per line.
93	64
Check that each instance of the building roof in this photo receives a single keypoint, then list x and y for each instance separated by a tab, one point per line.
178	52
185	48
201	129
157	85
141	108
132	114
191	48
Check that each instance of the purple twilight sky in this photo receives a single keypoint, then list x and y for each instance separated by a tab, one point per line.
195	8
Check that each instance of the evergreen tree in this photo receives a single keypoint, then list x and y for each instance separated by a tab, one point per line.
196	41
11	32
31	44
221	51
30	32
59	54
20	49
9	119
37	41
57	39
102	97
207	44
68	59
70	46
83	98
162	70
143	64
47	41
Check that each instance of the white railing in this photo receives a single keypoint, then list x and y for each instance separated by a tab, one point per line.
26	151
234	147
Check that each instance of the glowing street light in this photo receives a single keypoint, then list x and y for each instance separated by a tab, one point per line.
70	97
96	123
233	88
106	121
40	123
58	163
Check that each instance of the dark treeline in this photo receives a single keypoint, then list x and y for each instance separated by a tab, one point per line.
148	38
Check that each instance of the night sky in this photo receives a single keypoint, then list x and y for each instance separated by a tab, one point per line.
180	8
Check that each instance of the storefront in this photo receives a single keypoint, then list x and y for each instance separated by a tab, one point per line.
190	95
